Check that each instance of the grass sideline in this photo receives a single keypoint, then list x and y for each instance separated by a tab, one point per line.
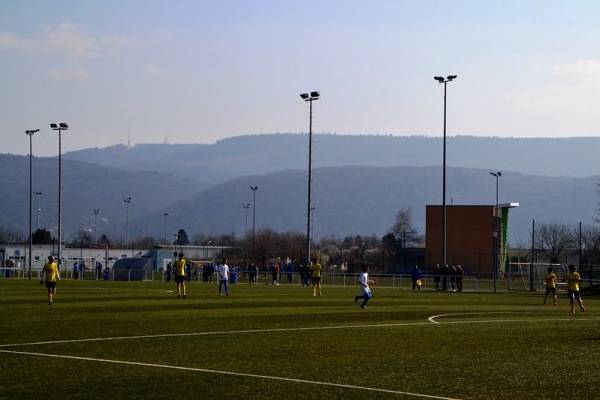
136	340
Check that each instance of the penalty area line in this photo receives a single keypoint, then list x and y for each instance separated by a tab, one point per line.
433	319
239	374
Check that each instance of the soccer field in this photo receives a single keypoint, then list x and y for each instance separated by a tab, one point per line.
136	340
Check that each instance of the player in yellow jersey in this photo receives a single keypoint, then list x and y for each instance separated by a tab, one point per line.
316	270
573	284
550	285
50	277
179	267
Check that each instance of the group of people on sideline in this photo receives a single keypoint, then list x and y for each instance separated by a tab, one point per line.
450	277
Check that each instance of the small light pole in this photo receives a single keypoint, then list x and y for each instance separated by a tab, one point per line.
309	98
443	80
30	134
206	249
96	212
127	200
39	210
254	189
246	206
176	240
60	127
497	235
166	215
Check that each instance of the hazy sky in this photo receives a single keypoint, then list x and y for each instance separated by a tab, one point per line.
200	70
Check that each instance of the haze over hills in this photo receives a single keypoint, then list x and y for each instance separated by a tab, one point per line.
260	154
359	184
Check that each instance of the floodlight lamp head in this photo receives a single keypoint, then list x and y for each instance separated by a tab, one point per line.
63	125
32	131
451	77
304	96
315	95
439	79
53	126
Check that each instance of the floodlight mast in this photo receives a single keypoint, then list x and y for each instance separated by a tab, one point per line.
443	80
496	234
30	134
309	98
60	127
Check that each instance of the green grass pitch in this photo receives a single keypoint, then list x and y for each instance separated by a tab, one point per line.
136	340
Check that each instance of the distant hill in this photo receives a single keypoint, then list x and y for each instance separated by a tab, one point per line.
365	200
85	187
261	154
359	184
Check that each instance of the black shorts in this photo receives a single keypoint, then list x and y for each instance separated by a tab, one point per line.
316	279
51	285
574	294
179	278
550	290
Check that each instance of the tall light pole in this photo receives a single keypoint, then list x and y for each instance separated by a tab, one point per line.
496	230
30	134
246	206
254	189
96	212
166	215
127	200
61	127
445	81
310	98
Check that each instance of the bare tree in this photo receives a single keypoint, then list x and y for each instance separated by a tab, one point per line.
597	217
553	239
8	235
403	228
589	239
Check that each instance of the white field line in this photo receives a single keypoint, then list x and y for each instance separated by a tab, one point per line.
431	321
275	378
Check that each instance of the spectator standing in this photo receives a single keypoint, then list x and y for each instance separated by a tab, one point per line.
289	268
445	275
179	268
81	270
303	274
252	271
75	271
415	274
223	275
98	270
452	277
169	266
275	272
460	273
436	277
188	270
